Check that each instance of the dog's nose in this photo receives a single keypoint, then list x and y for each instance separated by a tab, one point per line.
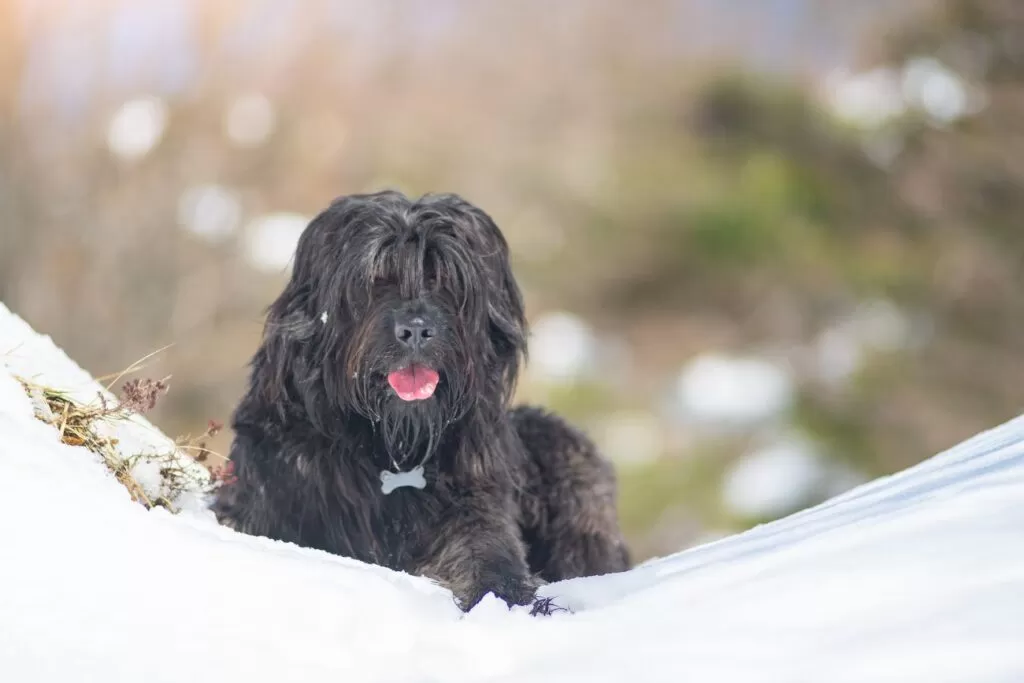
414	333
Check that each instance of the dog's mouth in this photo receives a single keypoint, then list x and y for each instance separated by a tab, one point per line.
414	382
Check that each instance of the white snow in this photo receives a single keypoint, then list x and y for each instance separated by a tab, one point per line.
934	88
773	480
867	99
212	212
137	127
721	390
271	240
915	577
562	347
147	474
872	98
842	348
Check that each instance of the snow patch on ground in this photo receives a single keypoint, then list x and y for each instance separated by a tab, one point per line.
914	577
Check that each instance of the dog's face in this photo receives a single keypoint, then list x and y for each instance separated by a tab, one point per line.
416	315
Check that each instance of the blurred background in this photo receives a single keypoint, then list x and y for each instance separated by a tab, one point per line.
771	249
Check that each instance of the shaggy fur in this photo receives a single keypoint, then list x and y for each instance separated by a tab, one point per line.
513	498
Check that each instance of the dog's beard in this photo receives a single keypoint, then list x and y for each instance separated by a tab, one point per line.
411	430
410	399
410	439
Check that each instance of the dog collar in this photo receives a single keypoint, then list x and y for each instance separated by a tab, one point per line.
389	481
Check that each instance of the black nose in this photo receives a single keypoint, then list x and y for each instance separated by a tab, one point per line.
414	333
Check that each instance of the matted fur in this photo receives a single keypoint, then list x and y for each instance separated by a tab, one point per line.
513	497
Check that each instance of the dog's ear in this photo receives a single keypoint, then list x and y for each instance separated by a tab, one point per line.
506	318
287	355
288	327
505	310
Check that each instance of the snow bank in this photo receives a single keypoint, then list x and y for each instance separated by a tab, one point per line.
915	577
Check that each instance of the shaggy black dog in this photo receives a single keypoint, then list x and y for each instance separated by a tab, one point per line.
377	424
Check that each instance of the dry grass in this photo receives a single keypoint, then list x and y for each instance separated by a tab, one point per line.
78	424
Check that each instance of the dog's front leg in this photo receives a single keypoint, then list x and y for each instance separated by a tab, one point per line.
478	550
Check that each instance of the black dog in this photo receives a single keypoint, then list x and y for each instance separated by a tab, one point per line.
377	423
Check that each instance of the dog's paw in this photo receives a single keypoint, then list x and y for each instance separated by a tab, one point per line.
513	592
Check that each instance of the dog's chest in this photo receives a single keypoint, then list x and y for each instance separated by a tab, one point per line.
408	519
359	519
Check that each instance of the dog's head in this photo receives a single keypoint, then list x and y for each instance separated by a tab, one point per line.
402	311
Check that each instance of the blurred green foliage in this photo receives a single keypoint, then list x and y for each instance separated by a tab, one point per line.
765	192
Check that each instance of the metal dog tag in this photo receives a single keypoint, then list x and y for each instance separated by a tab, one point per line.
389	481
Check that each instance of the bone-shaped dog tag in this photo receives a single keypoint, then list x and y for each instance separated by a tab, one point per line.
389	481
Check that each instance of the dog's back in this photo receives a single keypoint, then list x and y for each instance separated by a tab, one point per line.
569	501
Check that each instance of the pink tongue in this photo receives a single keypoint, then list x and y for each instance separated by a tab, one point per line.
413	383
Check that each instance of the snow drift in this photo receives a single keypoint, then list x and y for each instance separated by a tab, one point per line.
914	577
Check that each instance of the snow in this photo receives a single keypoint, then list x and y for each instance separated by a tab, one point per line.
781	476
562	347
271	240
774	480
872	98
876	326
914	577
137	127
935	89
718	389
212	212
867	99
147	474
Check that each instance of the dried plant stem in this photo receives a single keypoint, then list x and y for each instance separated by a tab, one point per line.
77	425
